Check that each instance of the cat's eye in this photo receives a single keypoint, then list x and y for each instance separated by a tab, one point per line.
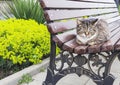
78	25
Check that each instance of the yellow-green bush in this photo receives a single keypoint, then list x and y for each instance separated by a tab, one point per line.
23	40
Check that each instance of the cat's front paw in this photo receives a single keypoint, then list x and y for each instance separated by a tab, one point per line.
91	43
78	41
81	40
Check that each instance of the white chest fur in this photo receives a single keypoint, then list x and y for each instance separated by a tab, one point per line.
85	40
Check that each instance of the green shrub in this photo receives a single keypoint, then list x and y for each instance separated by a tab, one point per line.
23	40
24	9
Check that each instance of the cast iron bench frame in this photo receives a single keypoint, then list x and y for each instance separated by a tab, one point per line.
60	16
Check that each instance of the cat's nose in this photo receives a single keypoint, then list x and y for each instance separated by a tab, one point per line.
87	33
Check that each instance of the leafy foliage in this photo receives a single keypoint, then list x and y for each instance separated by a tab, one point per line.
23	40
25	9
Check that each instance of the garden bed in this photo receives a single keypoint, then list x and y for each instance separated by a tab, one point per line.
32	70
23	43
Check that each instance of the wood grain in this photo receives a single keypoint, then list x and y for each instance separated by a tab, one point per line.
67	14
54	4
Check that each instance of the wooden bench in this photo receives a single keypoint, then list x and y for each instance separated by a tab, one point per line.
61	18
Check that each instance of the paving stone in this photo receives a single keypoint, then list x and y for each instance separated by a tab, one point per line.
116	66
73	79
90	82
40	77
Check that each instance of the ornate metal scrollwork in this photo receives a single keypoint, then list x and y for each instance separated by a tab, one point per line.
98	61
65	57
80	60
69	59
98	66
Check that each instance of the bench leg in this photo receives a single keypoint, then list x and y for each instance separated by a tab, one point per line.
119	57
107	78
49	78
50	70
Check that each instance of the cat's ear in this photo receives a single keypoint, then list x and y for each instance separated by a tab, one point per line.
79	21
93	21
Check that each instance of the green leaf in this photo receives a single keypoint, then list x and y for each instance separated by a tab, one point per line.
25	9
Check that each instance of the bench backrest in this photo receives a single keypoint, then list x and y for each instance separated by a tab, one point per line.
61	18
61	15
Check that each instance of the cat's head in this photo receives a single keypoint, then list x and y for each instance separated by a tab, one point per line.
86	26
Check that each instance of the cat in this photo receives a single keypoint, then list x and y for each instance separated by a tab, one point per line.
92	31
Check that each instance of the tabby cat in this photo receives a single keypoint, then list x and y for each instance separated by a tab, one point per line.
92	31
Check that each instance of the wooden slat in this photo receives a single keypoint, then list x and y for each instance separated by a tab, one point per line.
81	49
108	16
61	26
108	46
114	25
113	19
115	31
70	24
94	48
72	44
73	4
102	1
64	37
66	14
